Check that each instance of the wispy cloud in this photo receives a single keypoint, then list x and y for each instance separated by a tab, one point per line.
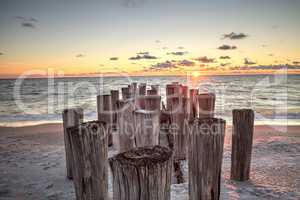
157	41
132	3
163	65
80	55
180	47
235	36
247	61
114	58
178	53
205	59
186	63
227	47
268	67
296	62
224	64
225	57
143	55
27	22
1	54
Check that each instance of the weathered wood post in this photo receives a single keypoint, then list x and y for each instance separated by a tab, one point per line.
152	102
142	174
125	125
146	128
179	118
114	99
242	138
206	105
205	154
172	90
194	109
126	94
71	117
140	101
105	113
90	149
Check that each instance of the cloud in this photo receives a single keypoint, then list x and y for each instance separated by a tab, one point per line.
27	22
178	53
132	3
180	47
164	48
114	58
296	62
235	36
1	54
143	53
143	56
227	47
268	67
185	63
270	54
248	62
224	64
225	57
80	55
157	41
163	65
205	59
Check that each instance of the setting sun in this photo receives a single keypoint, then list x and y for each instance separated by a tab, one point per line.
196	74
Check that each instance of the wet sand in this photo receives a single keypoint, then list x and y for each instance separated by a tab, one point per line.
32	165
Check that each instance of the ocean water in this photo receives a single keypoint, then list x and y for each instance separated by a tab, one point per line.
274	98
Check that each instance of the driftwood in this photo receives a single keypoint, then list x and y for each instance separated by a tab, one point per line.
242	138
146	128
125	124
90	149
142	174
114	99
205	153
206	105
71	117
105	113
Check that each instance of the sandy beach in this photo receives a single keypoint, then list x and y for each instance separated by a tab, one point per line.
33	165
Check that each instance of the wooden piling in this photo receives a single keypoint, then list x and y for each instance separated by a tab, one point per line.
172	90
71	117
114	99
126	94
125	125
205	154
206	105
90	150
147	128
142	174
105	113
140	102
193	103
152	102
242	139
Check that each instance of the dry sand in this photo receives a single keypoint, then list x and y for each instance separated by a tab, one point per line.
32	165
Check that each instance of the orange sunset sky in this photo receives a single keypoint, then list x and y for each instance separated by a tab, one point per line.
149	37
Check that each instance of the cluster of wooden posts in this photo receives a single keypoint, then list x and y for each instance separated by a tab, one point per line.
152	140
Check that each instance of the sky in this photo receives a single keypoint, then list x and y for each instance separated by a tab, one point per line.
149	37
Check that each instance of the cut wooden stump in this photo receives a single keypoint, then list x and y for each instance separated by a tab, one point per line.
205	153
114	99
194	106
152	102
125	125
142	174
90	149
184	90
242	139
206	105
71	117
146	128
105	113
